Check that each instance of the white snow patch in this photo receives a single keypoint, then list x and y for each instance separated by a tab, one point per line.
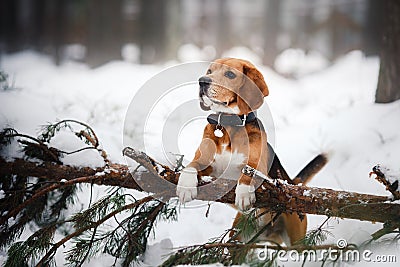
307	193
392	175
207	178
297	62
244	53
191	52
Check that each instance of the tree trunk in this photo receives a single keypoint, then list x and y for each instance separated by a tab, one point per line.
389	74
372	27
104	35
152	31
223	29
173	29
10	36
271	28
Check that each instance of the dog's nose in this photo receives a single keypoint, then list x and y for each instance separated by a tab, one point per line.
204	83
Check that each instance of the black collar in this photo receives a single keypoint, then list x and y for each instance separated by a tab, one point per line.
225	119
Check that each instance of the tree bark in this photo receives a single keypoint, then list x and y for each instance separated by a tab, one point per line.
152	30
271	28
372	27
389	79
104	36
275	196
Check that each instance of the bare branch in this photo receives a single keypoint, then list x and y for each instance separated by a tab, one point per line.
392	187
274	195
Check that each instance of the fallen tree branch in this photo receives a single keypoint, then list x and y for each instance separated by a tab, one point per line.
274	196
378	172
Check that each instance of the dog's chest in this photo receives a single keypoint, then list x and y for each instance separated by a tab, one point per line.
228	164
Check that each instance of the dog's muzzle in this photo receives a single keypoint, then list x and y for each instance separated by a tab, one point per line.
204	83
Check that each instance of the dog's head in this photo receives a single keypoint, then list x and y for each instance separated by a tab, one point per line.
232	86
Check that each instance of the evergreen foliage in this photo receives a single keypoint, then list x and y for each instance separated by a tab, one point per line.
118	225
90	235
316	236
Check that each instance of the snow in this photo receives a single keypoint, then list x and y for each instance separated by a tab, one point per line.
391	175
325	109
307	193
66	140
243	52
191	52
131	53
74	52
297	63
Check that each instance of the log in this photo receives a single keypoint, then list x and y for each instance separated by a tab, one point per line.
273	195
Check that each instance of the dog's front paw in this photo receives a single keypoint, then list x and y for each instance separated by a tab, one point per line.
187	185
245	196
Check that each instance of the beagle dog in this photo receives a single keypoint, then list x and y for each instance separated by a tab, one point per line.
234	137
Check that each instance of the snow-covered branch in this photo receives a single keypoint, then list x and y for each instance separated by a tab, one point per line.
276	195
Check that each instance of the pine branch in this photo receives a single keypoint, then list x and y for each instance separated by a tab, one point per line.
316	236
273	196
43	192
215	252
90	226
298	248
48	153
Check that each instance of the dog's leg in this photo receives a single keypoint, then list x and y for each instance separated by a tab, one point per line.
275	233
187	185
258	159
200	166
296	228
245	193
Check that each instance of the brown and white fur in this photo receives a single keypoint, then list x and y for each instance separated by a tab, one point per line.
235	86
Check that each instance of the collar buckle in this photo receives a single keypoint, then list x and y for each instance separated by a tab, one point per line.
244	120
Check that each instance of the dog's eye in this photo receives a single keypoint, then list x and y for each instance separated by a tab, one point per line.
230	74
208	71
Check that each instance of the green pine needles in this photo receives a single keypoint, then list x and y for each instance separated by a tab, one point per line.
42	204
119	224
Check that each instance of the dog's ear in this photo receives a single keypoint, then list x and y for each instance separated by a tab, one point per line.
204	107
252	93
256	76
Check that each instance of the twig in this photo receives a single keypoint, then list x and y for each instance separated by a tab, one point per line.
264	228
143	159
380	177
94	142
93	225
39	144
44	191
90	244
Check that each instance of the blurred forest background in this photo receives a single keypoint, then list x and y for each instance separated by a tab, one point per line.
156	31
158	28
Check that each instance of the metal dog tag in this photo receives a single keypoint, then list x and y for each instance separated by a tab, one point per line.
218	133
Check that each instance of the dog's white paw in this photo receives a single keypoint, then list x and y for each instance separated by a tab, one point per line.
245	196
187	185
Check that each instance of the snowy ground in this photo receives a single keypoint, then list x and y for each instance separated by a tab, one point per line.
329	110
